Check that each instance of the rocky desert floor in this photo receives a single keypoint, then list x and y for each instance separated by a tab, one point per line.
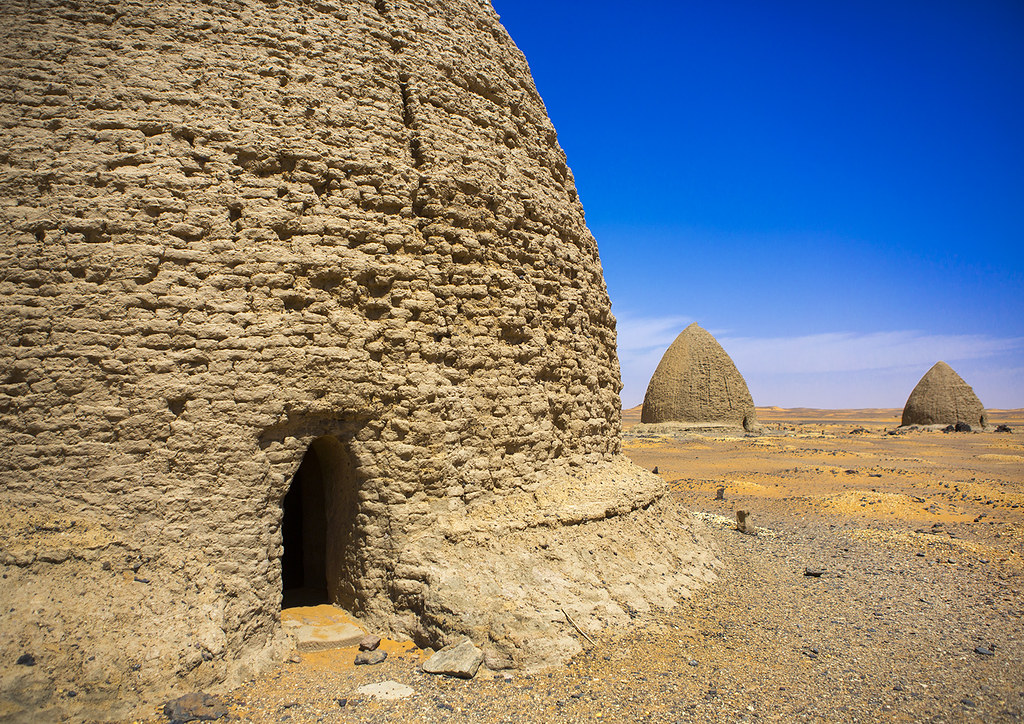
915	614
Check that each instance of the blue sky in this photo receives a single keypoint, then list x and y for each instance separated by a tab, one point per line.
834	190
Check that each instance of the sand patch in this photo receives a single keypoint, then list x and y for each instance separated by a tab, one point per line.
725	522
867	502
1001	458
938	543
344	658
744	487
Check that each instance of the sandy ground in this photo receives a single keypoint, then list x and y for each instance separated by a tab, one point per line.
916	616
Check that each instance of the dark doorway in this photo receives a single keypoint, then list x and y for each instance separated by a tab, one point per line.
304	533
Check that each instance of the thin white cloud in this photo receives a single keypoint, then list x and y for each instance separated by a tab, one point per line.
836	369
645	333
852	352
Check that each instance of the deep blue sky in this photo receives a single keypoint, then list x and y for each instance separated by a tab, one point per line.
834	189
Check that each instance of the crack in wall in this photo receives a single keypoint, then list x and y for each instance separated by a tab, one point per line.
409	119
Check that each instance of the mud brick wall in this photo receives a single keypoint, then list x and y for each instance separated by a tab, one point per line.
234	228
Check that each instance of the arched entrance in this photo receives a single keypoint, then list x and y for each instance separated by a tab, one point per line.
304	530
320	561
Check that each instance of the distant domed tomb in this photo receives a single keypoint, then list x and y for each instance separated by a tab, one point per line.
943	398
696	382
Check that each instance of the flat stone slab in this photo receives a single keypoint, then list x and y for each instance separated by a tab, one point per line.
317	628
386	690
195	707
461	659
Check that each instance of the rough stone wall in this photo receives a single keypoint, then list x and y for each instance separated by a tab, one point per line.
942	397
231	228
697	382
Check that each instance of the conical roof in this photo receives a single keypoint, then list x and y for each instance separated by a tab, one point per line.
943	398
696	381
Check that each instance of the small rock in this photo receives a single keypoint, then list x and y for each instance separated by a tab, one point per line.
694	662
814	572
898	686
949	428
962	426
371	657
342	702
743	524
194	707
655	471
386	690
462	660
968	703
26	660
720	493
295	659
984	651
369	643
1003	428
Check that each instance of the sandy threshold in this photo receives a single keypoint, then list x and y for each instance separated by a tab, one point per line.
916	616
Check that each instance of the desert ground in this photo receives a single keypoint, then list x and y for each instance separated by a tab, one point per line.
915	614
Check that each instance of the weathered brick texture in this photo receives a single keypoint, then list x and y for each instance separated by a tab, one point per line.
232	228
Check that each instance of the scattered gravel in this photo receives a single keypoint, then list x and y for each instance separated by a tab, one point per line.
828	611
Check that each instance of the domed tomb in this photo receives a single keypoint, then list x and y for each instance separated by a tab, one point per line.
298	297
942	397
697	382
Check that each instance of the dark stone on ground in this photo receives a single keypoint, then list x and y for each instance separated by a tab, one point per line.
1003	428
26	660
984	651
370	657
814	572
962	426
